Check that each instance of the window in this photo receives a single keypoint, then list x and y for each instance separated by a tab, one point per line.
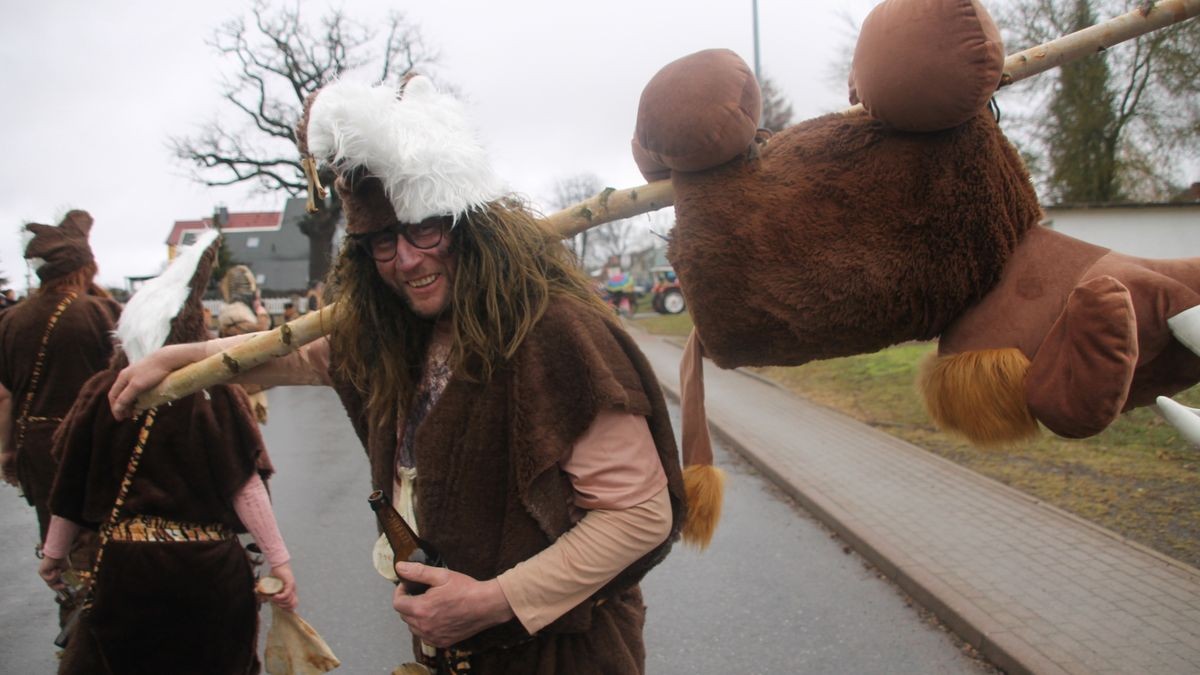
252	242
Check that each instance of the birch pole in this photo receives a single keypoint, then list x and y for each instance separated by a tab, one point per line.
1096	38
612	204
224	366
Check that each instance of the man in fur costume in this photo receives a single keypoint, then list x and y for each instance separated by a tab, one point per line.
173	588
532	446
244	313
49	346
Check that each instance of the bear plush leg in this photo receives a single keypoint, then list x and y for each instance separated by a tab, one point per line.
1186	328
1186	420
1078	381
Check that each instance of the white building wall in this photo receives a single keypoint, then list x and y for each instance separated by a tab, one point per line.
1147	232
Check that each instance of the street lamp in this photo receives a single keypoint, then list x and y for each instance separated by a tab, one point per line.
757	70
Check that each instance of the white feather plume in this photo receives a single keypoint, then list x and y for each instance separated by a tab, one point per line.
145	321
420	146
27	237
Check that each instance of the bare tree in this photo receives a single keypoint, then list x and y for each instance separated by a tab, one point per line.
1115	125
615	239
837	73
570	191
280	59
777	112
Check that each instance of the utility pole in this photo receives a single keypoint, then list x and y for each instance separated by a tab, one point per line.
757	66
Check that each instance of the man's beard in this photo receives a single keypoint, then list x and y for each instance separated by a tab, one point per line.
433	317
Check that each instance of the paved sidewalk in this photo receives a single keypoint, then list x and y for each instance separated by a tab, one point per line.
1034	588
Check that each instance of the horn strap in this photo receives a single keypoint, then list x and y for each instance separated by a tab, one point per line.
315	189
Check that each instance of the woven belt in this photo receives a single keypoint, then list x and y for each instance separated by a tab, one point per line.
151	528
34	418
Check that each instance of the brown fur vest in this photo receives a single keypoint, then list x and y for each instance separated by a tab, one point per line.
490	491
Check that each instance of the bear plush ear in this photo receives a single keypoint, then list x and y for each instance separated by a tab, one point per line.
698	112
926	65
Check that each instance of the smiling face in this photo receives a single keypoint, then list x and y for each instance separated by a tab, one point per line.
423	277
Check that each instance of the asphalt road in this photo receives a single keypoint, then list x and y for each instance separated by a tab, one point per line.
775	593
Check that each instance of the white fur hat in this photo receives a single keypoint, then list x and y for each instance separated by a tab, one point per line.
418	144
167	309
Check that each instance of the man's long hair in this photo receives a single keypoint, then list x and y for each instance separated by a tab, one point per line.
509	266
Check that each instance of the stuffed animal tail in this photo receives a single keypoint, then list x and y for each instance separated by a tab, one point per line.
704	484
705	488
979	395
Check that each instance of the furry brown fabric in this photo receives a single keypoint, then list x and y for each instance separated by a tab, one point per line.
163	607
64	248
202	450
846	237
178	607
603	649
184	609
575	363
80	345
364	203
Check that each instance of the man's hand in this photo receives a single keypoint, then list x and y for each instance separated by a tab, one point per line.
8	464
50	570
453	609
136	379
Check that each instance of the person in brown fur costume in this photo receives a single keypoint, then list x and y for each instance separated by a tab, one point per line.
532	446
50	345
173	588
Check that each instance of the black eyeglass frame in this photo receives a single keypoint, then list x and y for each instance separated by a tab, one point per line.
367	241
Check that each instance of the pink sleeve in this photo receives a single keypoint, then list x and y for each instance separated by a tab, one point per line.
253	507
307	365
615	465
580	562
59	537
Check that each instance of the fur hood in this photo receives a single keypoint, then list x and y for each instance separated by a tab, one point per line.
56	251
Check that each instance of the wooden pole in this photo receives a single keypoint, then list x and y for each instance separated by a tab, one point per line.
225	365
1096	38
1087	41
612	204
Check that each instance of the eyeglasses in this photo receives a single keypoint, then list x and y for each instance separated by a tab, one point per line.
381	245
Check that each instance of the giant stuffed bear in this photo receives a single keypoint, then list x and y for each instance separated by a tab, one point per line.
851	232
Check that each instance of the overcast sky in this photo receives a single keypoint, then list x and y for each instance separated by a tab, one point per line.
93	90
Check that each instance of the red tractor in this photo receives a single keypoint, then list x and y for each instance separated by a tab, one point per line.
667	298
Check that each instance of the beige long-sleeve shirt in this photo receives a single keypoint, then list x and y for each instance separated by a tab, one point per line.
620	490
